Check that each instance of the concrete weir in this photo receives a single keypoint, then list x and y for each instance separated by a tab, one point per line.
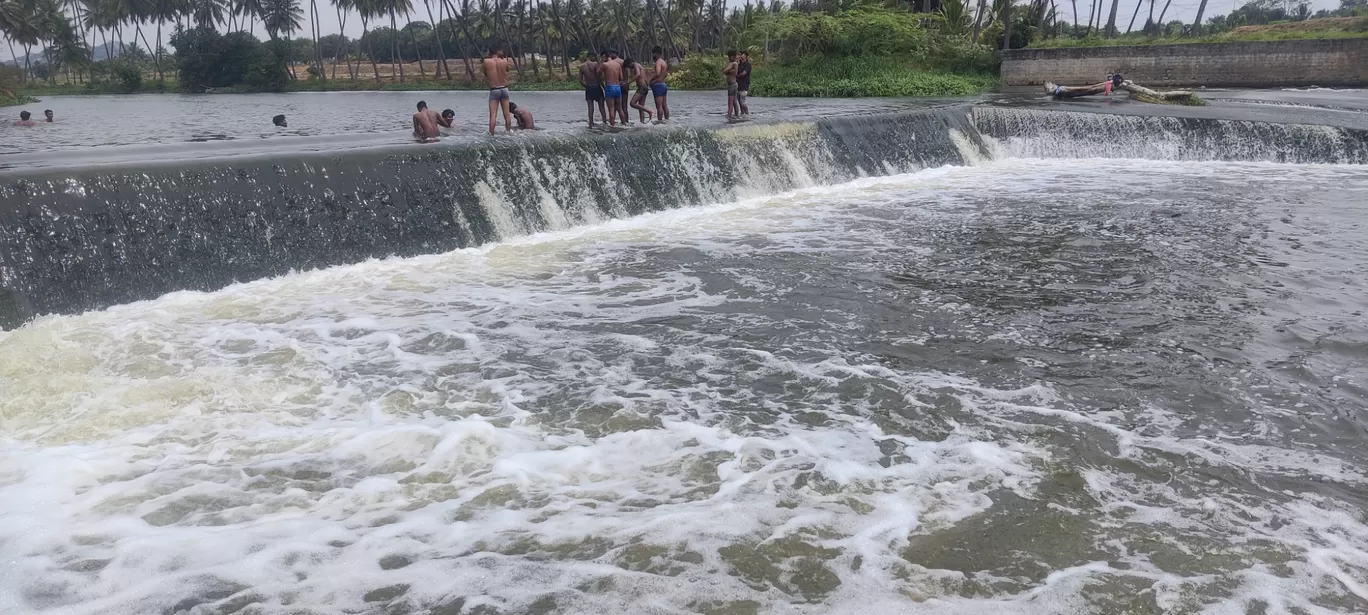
1296	63
86	238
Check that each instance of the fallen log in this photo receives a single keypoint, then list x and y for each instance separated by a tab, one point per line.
1144	94
1138	92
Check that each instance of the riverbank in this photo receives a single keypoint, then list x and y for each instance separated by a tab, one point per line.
820	77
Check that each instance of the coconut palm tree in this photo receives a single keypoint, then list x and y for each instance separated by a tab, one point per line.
313	31
369	9
344	8
282	17
207	13
437	37
394	7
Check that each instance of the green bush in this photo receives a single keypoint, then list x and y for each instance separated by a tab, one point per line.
699	72
861	77
127	76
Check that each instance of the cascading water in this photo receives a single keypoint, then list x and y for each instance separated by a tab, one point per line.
1034	133
81	240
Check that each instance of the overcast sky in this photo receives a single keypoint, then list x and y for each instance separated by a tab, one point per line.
1184	10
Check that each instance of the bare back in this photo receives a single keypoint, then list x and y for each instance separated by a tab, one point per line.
589	74
662	70
496	72
612	72
425	124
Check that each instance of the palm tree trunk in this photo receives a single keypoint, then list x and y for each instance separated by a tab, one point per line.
341	42
156	55
370	46
1160	23
394	44
318	51
565	43
437	36
1007	25
419	52
1197	23
460	18
978	18
1074	31
1138	3
1111	19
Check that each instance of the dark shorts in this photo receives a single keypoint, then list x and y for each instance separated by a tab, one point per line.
612	91
642	92
593	93
659	89
498	93
732	89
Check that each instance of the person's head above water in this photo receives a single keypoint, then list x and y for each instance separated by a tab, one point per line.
279	120
24	116
448	113
47	113
422	104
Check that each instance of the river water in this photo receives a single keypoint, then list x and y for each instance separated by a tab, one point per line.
1025	386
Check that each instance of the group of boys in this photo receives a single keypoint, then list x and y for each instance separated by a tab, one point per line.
26	118
607	79
738	72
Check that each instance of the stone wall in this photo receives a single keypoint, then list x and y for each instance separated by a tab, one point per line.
1326	63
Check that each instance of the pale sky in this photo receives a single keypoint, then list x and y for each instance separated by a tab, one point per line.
1184	10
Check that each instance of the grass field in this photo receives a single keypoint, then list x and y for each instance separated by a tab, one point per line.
1329	28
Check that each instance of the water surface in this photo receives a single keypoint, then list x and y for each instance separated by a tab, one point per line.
1028	386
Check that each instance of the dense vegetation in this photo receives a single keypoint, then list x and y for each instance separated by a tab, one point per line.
199	45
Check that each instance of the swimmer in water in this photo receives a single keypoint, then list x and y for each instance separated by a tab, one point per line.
47	113
24	119
447	119
522	116
425	123
279	121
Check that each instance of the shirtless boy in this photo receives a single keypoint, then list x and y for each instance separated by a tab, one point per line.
496	72
612	87
658	87
643	87
590	76
425	123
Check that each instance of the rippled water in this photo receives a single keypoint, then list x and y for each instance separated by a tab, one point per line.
1028	387
332	119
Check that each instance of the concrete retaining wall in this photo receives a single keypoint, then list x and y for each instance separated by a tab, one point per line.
1341	62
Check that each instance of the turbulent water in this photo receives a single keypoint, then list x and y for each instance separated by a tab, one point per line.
1026	385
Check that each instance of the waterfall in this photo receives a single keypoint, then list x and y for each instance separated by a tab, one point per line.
82	239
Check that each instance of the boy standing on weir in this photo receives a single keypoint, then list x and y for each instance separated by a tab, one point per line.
643	86
743	74
612	87
496	72
733	109
658	87
590	76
